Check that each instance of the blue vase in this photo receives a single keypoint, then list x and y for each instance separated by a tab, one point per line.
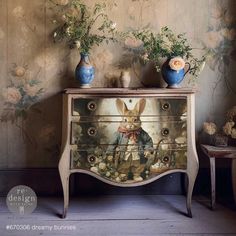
84	72
172	77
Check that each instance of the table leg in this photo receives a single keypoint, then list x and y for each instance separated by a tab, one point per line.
234	178
213	182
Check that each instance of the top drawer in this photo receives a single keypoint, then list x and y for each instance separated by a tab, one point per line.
153	106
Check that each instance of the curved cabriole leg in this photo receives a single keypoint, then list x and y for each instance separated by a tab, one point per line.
191	180
65	176
189	195
65	186
192	160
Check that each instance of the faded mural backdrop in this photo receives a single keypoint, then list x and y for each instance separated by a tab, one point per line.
34	70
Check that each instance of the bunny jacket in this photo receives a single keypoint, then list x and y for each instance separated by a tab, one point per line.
120	141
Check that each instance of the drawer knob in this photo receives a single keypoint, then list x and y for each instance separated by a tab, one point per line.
165	106
165	159
92	106
165	132
92	159
92	131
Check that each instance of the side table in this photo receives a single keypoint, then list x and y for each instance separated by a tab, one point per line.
213	153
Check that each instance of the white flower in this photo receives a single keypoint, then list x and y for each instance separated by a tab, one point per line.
102	166
77	44
55	34
227	128
145	57
110	158
177	63
113	25
209	128
118	179
12	95
63	17
108	174
68	31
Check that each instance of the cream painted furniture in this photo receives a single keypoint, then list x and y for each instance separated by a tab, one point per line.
128	137
213	153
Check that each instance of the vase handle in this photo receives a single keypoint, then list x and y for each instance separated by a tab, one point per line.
189	67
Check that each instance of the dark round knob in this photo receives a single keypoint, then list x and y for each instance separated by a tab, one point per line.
92	159
165	159
92	131
165	106
165	132
92	106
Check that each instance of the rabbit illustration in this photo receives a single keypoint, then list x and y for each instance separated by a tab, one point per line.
131	142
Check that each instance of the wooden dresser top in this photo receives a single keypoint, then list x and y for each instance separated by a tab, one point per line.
131	91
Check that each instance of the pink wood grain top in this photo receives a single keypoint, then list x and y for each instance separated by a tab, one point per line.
130	91
219	152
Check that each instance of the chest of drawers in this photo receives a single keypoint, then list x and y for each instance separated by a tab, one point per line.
128	137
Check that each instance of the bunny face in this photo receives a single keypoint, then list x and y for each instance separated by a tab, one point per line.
130	118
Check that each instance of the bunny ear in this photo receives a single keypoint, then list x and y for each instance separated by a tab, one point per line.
139	107
121	106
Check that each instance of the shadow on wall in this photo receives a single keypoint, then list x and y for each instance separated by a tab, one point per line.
43	127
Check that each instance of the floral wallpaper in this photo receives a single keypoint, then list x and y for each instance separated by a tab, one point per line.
34	70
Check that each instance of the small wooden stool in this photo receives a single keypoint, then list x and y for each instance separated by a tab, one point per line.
214	152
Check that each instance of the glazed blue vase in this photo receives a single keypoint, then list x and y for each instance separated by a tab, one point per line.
172	77
84	72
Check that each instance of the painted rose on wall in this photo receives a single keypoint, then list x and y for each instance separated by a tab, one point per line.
20	95
221	38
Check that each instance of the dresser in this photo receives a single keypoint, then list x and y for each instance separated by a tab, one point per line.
128	137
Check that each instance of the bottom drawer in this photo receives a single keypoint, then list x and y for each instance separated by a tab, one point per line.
128	166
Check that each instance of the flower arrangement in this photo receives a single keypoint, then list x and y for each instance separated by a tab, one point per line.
19	97
220	38
166	44
228	129
230	126
209	128
81	26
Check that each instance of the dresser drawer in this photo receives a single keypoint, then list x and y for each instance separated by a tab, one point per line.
118	169
104	132
107	106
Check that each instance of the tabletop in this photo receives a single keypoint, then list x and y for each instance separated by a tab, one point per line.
219	152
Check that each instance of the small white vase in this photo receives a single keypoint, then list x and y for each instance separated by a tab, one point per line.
125	79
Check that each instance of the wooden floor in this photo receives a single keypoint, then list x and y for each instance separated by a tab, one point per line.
122	215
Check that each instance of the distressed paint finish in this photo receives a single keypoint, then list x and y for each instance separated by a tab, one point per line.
25	39
87	107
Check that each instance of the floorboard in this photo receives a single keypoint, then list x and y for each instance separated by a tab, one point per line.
121	216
